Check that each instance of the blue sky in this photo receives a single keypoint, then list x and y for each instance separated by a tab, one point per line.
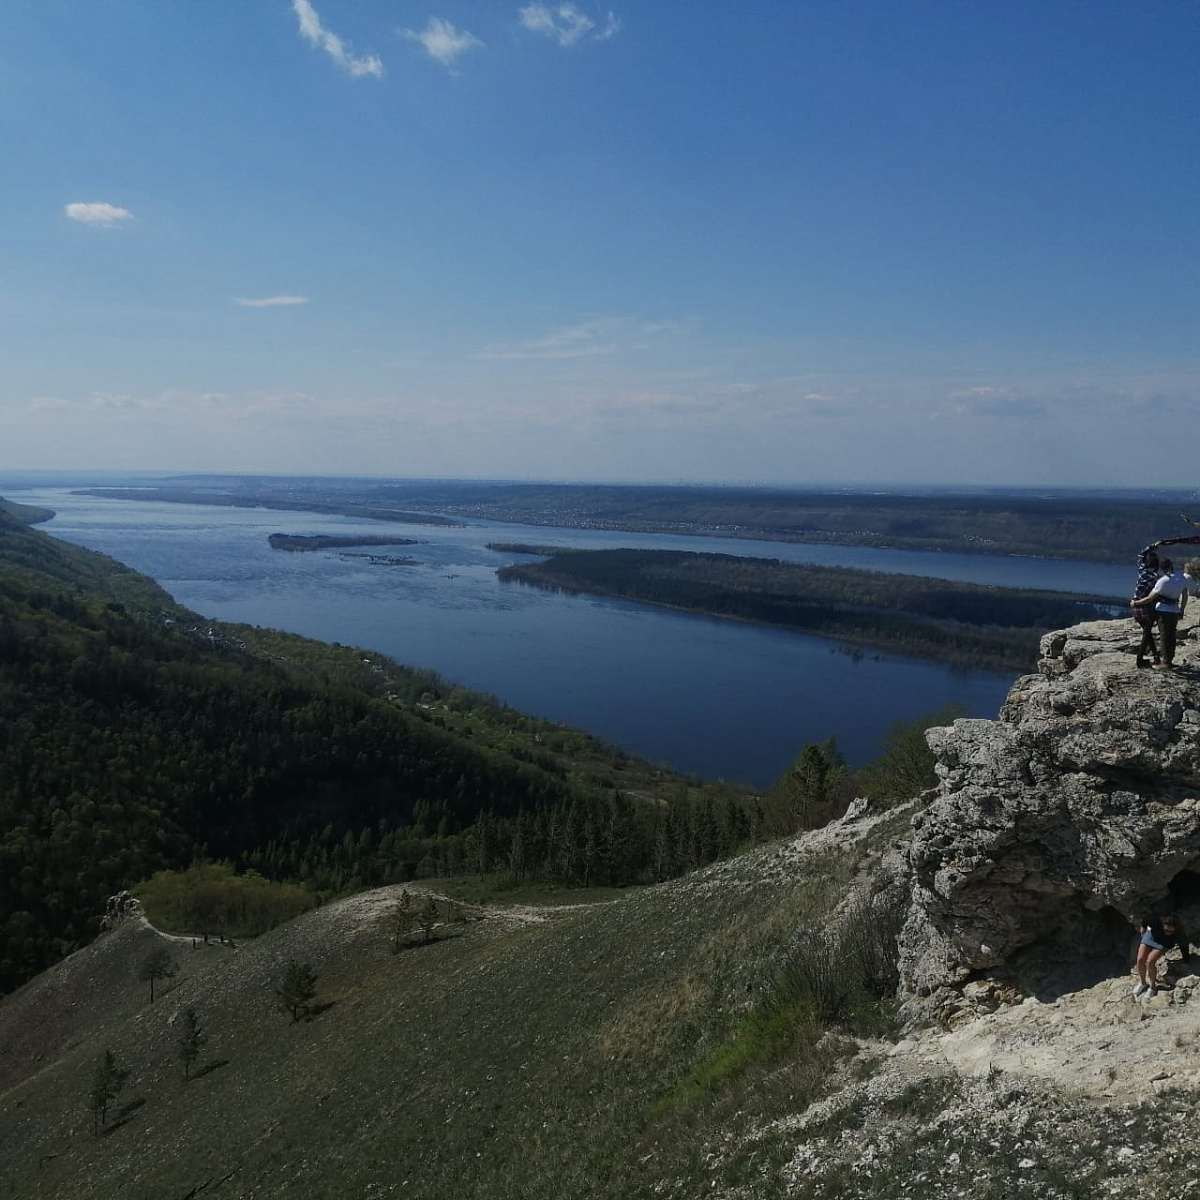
782	242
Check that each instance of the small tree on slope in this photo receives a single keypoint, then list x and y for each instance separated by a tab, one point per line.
158	964
191	1041
107	1081
296	989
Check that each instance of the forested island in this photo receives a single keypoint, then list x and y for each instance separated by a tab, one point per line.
965	624
529	548
320	541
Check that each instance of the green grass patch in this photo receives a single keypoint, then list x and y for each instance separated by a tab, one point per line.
761	1040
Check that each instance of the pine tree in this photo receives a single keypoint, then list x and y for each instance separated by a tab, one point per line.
158	964
403	919
517	858
107	1082
191	1040
296	989
428	917
813	784
484	843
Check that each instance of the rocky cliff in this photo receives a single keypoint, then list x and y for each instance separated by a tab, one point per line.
1054	827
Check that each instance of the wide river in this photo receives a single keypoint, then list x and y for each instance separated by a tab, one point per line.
714	697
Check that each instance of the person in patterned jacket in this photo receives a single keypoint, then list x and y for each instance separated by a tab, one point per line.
1147	577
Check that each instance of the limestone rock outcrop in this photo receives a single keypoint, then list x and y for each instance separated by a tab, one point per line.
1053	828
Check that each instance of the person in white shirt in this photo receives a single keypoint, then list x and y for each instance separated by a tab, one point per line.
1169	597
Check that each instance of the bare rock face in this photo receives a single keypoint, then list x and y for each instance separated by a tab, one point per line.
1055	827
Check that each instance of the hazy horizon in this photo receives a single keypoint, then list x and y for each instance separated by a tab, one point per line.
34	478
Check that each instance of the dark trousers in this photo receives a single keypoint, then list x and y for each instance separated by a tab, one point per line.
1166	625
1145	620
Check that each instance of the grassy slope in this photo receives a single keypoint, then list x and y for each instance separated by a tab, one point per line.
591	1054
518	1059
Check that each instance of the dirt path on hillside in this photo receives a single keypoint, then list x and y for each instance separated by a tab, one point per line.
377	904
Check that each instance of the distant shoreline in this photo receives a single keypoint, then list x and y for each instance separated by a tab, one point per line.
1075	528
181	496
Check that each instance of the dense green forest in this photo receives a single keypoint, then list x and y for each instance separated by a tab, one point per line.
1060	525
962	623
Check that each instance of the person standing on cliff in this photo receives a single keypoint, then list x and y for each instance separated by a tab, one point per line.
1148	573
1169	598
1144	615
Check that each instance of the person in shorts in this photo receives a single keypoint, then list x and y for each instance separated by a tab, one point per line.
1158	935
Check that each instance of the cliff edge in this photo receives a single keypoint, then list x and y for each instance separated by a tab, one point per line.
1053	828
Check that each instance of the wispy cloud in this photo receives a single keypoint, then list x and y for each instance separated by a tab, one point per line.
442	41
997	402
585	340
976	393
314	32
272	301
97	214
610	29
566	24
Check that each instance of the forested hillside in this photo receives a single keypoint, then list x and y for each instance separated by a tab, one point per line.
134	736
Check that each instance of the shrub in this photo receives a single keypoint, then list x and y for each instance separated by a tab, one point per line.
844	974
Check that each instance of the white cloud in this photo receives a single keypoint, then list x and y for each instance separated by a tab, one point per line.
272	301
565	23
97	214
612	26
442	41
314	32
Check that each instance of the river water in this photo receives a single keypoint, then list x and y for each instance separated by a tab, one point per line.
717	698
